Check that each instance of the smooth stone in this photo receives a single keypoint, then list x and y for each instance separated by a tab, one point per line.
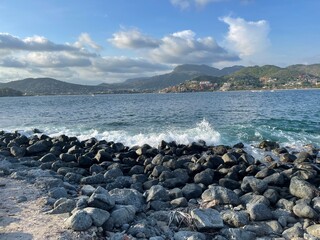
302	189
21	199
259	212
207	219
112	174
303	210
49	157
87	190
98	216
66	157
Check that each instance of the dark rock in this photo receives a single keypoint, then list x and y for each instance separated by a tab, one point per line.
21	199
157	192
259	212
251	183
268	145
66	157
179	202
17	151
128	197
213	161
79	221
205	177
85	161
112	174
294	232
272	195
191	190
98	216
137	169
39	146
221	195
189	235
101	199
251	198
166	175
49	157
235	219
220	150
175	193
120	182
95	169
87	190
94	179
229	159
157	170
65	206
302	189
73	177
58	192
276	179
238	145
103	156
122	215
247	158
229	183
148	184
207	219
158	205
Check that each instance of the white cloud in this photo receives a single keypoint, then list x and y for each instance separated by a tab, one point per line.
247	37
85	40
184	47
132	39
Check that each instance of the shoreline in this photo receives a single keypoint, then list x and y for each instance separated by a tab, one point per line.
174	191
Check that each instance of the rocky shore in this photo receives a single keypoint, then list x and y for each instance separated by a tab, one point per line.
174	191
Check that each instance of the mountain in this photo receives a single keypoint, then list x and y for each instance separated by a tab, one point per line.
9	92
179	74
50	86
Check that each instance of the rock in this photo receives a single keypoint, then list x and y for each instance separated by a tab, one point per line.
112	174
49	157
221	195
238	234
65	206
94	179
123	214
191	190
205	177
175	193
158	205
79	221
259	212
229	183
66	157
314	230
252	184
101	199
128	197
316	204
229	158
73	177
103	156
275	179
120	182
303	210
157	192
235	218
179	202
294	232
21	199
247	158
98	216
302	189
85	161
17	151
272	195
40	146
207	219
58	192
285	204
189	235
251	198
87	190
268	145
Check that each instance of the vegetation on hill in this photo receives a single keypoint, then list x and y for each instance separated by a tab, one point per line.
8	92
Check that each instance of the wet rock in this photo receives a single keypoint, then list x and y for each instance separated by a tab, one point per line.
98	216
207	219
221	195
79	221
101	199
259	212
302	189
268	145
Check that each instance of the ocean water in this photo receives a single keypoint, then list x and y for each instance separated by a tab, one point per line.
291	118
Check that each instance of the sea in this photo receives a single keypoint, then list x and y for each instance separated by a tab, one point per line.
289	117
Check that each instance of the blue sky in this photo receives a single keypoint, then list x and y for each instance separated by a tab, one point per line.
98	41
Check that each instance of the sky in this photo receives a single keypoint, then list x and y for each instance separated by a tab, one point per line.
96	41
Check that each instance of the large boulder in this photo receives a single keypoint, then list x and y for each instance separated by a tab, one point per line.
101	199
79	221
302	189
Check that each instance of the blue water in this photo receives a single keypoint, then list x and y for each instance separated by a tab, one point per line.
291	118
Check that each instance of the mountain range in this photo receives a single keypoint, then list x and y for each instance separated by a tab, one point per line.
230	78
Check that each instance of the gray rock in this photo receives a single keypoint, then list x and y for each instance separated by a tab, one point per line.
175	193
251	198
316	204
18	151
98	216
303	210
205	177
188	235
314	230
252	184
272	195
65	206
21	199
103	156
221	195
179	202
58	192
259	212
234	218
191	190
276	179
207	219
73	177
123	214
238	234
40	146
49	157
94	179
101	199
229	158
79	221
294	232
157	192
285	204
87	190
66	157
128	197
302	189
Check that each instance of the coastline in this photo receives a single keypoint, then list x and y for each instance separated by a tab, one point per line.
107	190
